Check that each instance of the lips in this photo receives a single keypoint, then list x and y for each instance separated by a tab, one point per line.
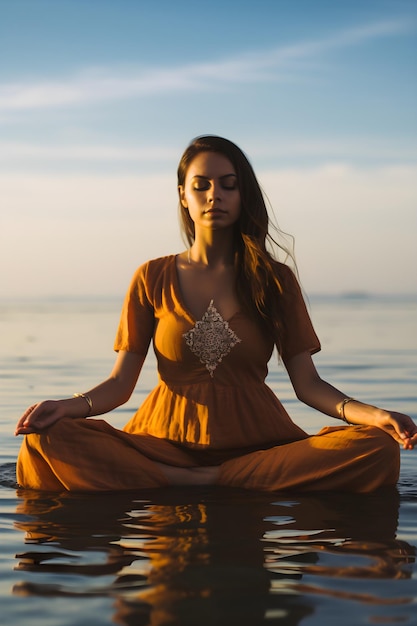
214	212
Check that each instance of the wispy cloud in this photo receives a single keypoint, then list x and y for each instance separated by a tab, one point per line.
340	149
11	151
280	63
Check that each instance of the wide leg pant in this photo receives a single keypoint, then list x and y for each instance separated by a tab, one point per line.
91	455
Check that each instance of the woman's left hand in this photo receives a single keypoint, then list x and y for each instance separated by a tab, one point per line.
401	427
319	394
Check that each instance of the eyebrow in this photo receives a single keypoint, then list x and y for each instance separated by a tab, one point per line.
220	178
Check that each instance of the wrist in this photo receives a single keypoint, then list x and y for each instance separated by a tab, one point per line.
341	409
360	413
379	416
84	403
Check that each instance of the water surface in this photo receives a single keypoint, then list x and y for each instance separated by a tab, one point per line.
207	556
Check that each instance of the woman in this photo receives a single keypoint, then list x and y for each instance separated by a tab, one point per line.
214	314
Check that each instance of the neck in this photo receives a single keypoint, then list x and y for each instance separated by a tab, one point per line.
211	255
215	249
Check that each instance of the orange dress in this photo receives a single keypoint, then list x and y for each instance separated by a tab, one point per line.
211	406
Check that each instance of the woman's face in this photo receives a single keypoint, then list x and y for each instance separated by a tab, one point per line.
210	191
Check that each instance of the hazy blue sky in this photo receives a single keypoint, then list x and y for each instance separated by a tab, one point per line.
98	99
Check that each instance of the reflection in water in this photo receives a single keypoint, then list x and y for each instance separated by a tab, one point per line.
193	556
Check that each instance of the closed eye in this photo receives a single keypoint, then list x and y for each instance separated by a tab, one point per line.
200	183
229	181
201	186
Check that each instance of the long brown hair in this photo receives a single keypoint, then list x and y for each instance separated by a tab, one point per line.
258	281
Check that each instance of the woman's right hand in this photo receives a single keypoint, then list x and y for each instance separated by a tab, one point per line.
110	394
39	416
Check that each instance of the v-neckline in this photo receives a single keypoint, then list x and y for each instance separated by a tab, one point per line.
181	299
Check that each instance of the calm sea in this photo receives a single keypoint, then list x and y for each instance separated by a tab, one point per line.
204	556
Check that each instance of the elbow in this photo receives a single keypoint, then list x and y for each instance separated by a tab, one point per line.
121	391
302	396
304	377
125	393
307	391
123	398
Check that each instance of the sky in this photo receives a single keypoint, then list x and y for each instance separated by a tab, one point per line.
99	98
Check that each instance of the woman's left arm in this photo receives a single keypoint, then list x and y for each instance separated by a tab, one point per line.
317	393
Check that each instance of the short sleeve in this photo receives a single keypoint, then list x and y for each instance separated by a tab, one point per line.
137	319
298	332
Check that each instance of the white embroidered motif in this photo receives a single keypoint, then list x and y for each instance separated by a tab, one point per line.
211	338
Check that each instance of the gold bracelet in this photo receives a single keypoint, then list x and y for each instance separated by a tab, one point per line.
342	415
87	399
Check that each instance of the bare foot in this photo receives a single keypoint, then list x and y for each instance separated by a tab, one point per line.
189	475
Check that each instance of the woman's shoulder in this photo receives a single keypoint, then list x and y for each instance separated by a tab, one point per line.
155	266
151	274
160	262
289	281
285	274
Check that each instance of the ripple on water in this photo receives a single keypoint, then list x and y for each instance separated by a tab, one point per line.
211	556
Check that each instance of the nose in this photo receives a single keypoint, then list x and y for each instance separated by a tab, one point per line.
215	192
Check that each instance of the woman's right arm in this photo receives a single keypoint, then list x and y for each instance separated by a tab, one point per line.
108	395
